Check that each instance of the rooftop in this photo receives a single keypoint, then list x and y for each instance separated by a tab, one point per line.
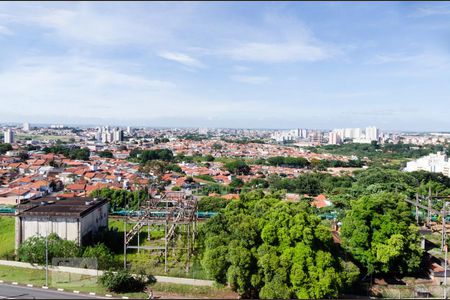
67	207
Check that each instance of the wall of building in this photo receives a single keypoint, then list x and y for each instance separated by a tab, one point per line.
66	228
93	221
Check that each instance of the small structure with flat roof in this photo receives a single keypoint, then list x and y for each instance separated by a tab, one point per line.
77	219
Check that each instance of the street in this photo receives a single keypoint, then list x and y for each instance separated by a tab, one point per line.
9	291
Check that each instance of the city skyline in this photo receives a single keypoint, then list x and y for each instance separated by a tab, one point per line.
245	65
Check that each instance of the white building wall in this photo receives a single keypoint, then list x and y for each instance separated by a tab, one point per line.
63	227
94	220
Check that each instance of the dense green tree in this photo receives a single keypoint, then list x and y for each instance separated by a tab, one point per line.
237	167
72	152
119	199
267	248
4	147
105	258
211	203
380	234
144	156
106	154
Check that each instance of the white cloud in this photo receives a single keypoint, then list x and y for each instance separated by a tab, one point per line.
5	31
432	11
250	79
424	60
278	52
100	25
182	59
241	69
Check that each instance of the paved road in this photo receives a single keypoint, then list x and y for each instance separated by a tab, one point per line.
9	291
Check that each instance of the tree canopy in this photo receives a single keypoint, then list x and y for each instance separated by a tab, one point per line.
380	234
267	248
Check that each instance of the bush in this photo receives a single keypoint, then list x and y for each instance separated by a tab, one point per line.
105	258
33	249
122	281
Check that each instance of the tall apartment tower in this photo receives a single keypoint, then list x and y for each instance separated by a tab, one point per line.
117	135
9	136
372	133
26	126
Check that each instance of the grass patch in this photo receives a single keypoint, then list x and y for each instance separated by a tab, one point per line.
221	292
7	237
153	261
63	280
87	284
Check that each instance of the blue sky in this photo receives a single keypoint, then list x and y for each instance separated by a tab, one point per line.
219	64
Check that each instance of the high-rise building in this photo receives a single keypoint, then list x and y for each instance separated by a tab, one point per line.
9	136
129	131
117	135
372	133
26	126
334	138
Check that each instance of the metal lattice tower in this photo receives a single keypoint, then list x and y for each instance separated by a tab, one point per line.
173	210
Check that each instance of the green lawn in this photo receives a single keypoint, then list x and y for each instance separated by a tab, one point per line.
57	280
7	233
87	284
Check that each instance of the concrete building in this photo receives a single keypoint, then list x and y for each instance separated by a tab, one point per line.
9	136
77	219
334	138
26	127
372	133
117	135
435	163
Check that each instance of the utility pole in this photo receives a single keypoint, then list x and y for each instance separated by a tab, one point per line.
445	271
46	259
125	242
417	208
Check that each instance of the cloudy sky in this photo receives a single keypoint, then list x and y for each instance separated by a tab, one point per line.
218	64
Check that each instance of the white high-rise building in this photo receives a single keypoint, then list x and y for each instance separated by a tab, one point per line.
9	136
117	135
26	126
129	131
334	138
372	133
107	137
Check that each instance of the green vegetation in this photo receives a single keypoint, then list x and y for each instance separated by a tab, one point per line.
7	224
205	177
73	152
297	162
378	152
123	281
379	232
143	156
119	199
238	167
57	280
106	154
104	256
5	148
212	203
267	248
33	249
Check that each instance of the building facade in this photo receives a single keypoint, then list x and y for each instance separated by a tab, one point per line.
77	219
